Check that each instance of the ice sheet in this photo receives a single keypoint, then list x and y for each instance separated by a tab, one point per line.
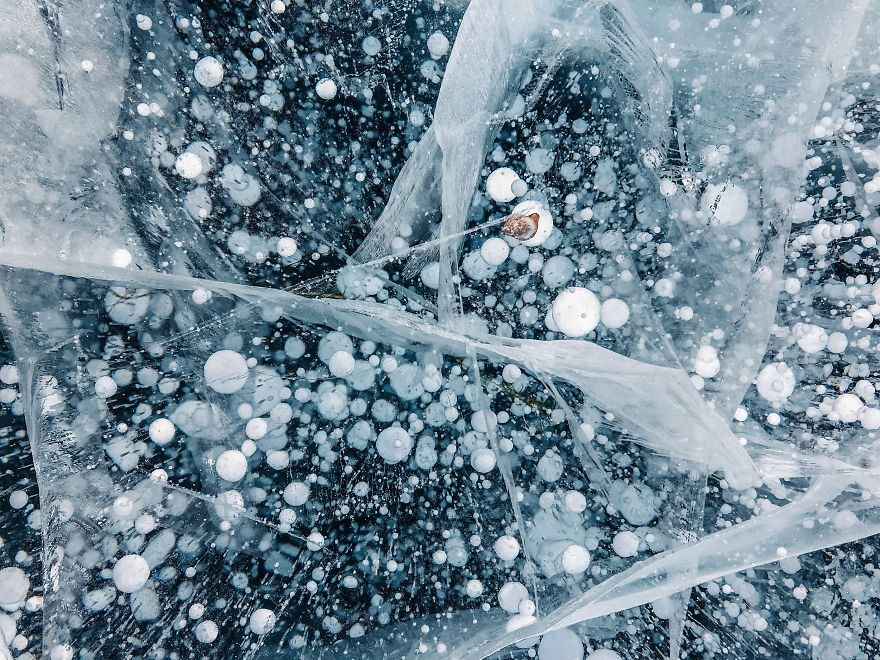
710	169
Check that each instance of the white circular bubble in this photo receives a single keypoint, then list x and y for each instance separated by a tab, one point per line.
438	45
231	465
121	258
510	595
869	418
341	364
188	165
315	541
625	544
394	444
775	382
206	631
371	45
557	271
229	505
286	246
277	460
545	221
575	559
483	460
17	499
506	547
14	585
575	501
244	189
511	373
604	654
296	493
197	203
862	318
9	374
294	348
474	588
326	89
550	466
262	621
847	407
431	275
208	72
561	645
499	184
614	313
484	421
277	7
105	387
576	311
130	573
837	342
61	652
205	153
494	251
810	338
707	364
256	428
725	204
161	431
226	371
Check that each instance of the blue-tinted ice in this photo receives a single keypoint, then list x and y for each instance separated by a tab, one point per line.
495	329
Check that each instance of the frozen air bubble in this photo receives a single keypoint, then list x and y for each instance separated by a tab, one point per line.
341	364
262	621
286	246
188	165
775	382
438	45
561	645
506	547
296	493
725	204
494	251
510	595
231	465
326	89
614	313
576	311
371	45
130	573
604	654
474	588
105	387
625	544
394	444
226	371
847	407
14	585
208	72
810	338
483	460
256	428
575	559
499	184
206	631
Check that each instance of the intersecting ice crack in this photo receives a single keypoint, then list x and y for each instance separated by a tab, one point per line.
117	288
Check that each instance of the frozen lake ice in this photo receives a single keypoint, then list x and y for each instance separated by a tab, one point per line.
445	329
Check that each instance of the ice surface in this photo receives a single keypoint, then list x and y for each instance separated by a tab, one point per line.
290	392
